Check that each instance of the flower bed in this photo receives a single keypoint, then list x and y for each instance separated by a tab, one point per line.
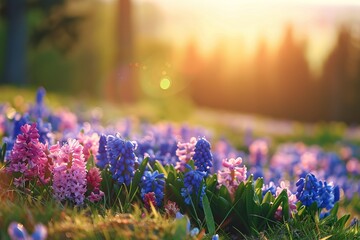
177	175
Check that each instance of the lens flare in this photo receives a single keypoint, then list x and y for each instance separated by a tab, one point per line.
165	83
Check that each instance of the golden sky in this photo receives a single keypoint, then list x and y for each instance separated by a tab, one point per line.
239	24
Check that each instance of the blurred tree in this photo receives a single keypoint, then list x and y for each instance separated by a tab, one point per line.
293	79
57	28
122	85
341	79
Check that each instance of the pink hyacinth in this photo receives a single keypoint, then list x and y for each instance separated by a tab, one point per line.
291	197
353	166
96	195
90	144
232	174
185	152
69	173
258	152
68	120
28	157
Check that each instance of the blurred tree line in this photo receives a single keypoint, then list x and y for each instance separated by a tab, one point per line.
282	84
70	46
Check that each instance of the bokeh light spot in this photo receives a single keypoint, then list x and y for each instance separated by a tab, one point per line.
165	83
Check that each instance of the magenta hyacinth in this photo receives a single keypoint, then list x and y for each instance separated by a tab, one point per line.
93	179
69	174
232	174
28	157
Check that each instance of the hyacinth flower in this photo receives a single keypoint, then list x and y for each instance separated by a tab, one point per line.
28	157
17	231
39	110
14	130
69	173
193	185
153	182
149	199
122	158
65	121
258	152
310	190
90	143
232	174
102	158
166	152
203	157
45	133
291	198
171	209
93	179
271	187
185	152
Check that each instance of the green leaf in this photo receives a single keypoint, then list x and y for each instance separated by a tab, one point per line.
258	188
252	205
211	183
180	229
259	183
285	207
134	186
341	222
334	210
268	198
239	191
208	215
276	204
160	168
224	192
2	153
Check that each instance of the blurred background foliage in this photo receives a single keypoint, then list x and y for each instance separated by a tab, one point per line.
302	66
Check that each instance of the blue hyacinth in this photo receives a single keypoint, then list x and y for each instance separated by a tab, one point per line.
153	182
193	185
203	157
102	158
39	110
121	158
310	190
45	131
307	189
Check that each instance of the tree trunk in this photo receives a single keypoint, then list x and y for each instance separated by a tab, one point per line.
16	39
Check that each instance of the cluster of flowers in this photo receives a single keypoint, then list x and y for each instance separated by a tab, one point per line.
33	155
62	167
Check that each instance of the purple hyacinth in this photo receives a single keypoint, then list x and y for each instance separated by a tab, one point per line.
121	158
153	182
69	173
102	158
193	185
203	157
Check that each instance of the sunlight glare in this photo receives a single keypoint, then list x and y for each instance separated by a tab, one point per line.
165	83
